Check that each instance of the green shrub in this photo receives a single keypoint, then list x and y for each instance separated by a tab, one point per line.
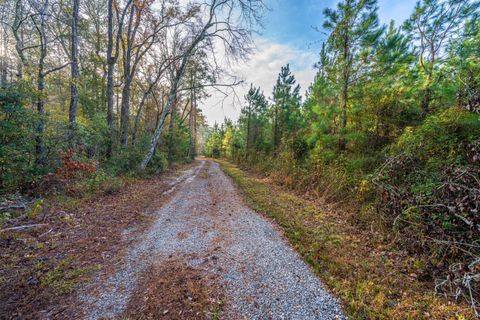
429	189
126	160
17	142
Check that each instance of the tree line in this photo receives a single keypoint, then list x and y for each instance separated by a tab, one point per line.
113	81
390	122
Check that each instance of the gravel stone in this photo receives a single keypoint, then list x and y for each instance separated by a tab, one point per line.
206	220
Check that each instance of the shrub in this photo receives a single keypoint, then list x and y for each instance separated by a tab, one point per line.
430	188
127	159
17	142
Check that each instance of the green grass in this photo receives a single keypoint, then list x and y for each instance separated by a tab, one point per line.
63	277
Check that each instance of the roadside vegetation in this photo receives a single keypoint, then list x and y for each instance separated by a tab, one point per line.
374	279
97	98
389	133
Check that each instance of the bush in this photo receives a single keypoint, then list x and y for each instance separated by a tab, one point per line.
430	188
128	159
17	142
65	170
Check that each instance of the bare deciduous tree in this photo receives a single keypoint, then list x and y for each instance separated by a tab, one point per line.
112	58
143	28
229	22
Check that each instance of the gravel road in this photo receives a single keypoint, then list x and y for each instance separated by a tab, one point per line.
206	224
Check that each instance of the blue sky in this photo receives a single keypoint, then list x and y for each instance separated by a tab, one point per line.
290	37
293	22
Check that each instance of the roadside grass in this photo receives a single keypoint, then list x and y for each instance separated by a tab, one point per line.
373	279
63	277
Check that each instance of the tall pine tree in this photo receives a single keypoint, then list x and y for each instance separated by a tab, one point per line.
354	27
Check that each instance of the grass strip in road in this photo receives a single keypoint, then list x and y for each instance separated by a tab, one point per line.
373	279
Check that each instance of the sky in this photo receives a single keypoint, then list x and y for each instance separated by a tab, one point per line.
292	34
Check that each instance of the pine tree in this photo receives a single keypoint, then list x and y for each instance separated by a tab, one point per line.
251	114
354	28
464	63
386	94
286	105
432	25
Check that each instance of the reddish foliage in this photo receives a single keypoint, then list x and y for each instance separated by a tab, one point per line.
72	168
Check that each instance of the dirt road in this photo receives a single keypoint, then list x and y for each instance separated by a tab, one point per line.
207	256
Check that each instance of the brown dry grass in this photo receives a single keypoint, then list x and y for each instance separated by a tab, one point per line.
373	278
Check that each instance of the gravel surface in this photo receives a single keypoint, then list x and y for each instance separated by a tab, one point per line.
206	223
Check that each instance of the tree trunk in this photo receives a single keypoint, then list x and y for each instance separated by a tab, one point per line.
191	150
40	146
342	144
4	60
173	93
195	127
275	130
110	83
425	105
125	111
248	130
19	38
165	112
75	75
142	103
129	74
170	131
136	123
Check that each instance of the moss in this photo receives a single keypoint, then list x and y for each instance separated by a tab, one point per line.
11	264
63	277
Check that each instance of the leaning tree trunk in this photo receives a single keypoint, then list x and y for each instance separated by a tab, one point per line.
173	93
75	76
145	95
165	112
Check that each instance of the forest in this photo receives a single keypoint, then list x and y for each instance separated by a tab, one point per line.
389	126
97	94
97	84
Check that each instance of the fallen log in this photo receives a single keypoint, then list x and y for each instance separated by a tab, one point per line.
23	227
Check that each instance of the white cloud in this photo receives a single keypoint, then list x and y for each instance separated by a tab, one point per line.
261	69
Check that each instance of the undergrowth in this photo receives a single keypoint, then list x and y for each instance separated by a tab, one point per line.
374	278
